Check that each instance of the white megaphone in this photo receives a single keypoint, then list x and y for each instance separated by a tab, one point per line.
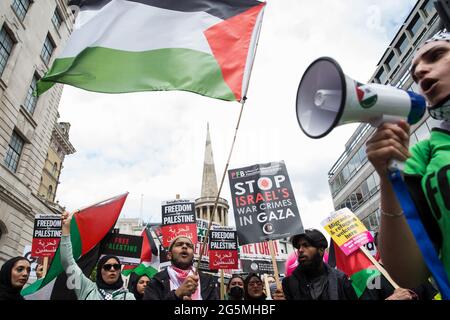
327	98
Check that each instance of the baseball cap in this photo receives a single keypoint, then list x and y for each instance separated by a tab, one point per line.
314	237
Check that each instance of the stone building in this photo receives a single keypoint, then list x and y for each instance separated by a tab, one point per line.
32	34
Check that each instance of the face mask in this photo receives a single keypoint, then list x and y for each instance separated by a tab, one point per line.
441	111
236	293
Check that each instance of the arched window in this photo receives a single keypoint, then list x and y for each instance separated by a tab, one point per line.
49	192
55	169
3	230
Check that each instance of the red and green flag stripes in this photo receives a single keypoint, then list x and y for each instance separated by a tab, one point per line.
202	46
356	266
88	228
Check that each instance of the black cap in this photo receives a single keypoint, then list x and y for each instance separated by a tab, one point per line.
314	237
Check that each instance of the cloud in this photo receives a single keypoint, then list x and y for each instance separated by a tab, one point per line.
152	143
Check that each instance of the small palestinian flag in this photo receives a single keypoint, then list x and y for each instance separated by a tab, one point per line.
201	46
356	266
366	97
149	257
87	230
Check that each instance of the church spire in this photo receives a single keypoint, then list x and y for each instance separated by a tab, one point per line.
209	181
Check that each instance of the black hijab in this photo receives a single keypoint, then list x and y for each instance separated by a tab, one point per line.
133	286
101	284
246	281
7	292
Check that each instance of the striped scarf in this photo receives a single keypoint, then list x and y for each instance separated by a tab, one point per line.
178	276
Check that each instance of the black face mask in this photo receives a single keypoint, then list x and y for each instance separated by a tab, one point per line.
236	293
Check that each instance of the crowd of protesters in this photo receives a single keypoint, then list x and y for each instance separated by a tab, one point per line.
312	278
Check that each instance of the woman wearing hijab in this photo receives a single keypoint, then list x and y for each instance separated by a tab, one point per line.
253	287
137	287
13	276
109	283
235	288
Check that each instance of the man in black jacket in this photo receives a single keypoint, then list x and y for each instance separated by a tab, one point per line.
180	281
313	279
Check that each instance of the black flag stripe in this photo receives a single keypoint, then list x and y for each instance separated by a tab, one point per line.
222	9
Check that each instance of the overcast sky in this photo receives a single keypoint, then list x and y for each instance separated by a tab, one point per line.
152	143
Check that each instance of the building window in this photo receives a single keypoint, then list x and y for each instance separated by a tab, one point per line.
55	169
47	49
381	76
392	61
372	222
429	7
371	184
402	44
13	153
415	25
20	7
31	99
49	192
56	19
6	45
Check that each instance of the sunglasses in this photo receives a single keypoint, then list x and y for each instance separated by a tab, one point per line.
108	266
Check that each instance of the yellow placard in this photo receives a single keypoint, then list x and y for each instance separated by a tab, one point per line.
343	225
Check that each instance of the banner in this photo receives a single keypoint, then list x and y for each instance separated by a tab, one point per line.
202	228
223	248
346	230
256	257
46	235
263	203
124	246
178	218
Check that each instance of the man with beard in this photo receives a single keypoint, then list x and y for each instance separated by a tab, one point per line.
180	281
313	279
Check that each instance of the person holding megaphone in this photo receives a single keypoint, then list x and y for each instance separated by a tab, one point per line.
426	173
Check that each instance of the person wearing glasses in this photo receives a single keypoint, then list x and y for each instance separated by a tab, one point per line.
253	287
13	276
108	284
181	281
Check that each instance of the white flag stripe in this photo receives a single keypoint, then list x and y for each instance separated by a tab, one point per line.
136	27
44	293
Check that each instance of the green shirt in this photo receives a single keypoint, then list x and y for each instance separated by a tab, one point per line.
427	174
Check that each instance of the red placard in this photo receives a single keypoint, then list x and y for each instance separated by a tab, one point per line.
46	235
172	231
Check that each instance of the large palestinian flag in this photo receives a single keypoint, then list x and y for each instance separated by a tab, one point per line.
87	229
202	46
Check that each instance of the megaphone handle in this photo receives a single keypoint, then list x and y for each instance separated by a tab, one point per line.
396	165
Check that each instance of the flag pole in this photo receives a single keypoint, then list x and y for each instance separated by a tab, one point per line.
274	264
205	241
222	285
45	267
379	267
244	98
267	286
